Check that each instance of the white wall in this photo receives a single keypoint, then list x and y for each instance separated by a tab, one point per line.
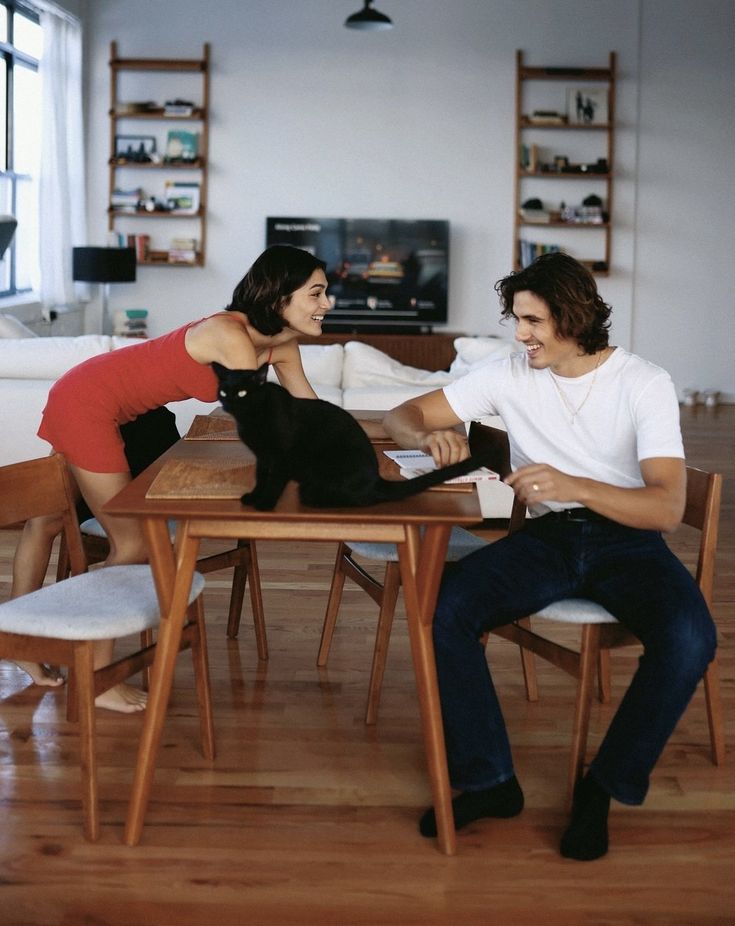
309	118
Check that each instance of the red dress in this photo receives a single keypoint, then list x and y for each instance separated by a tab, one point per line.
87	405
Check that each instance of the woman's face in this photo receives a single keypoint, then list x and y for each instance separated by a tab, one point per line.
308	305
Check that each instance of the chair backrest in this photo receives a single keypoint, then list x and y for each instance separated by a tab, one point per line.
702	511
494	446
43	487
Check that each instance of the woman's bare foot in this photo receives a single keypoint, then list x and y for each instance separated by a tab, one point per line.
122	698
41	674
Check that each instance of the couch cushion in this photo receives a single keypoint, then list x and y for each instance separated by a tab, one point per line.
366	366
322	364
48	358
471	352
11	327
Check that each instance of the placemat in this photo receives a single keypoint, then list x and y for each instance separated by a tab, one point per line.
202	479
207	427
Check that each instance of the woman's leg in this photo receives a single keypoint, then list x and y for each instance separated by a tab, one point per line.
29	570
127	545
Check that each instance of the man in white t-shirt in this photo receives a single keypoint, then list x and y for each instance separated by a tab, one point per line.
597	456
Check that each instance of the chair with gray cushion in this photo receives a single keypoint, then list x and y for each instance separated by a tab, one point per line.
59	623
385	595
242	558
601	632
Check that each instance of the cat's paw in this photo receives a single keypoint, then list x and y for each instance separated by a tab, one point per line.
247	498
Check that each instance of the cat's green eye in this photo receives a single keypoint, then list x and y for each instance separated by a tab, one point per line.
242	393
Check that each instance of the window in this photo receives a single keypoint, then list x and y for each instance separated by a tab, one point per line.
20	141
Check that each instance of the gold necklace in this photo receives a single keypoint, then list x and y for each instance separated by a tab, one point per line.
570	408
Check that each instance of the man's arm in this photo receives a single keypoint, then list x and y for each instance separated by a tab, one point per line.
427	423
658	505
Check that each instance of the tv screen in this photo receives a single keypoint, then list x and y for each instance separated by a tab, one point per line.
389	274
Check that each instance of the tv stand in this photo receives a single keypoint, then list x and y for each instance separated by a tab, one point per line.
425	351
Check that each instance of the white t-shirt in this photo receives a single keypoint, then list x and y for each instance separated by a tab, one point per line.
630	413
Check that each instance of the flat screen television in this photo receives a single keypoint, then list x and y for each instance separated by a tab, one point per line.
387	275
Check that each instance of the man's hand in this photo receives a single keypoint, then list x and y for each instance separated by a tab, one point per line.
445	446
539	482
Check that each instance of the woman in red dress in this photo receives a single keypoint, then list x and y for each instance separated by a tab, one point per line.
282	296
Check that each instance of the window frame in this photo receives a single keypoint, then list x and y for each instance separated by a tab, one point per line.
13	58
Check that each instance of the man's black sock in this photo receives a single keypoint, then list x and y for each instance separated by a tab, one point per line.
586	835
504	800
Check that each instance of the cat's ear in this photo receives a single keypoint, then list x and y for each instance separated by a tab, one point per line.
219	371
261	374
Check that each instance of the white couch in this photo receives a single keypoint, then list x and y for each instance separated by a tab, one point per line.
353	375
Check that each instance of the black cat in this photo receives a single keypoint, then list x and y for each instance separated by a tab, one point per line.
315	443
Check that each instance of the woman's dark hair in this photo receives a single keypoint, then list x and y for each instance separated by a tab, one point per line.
266	289
570	291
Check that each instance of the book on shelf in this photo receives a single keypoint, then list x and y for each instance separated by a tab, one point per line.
182	198
182	251
178	108
125	200
142	244
181	147
130	323
530	250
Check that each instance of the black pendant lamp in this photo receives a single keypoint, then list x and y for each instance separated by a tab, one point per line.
368	19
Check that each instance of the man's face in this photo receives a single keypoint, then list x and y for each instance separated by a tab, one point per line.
536	330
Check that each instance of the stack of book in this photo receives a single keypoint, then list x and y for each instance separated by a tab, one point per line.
182	251
131	323
125	200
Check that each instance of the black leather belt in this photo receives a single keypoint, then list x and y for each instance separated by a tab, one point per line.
575	514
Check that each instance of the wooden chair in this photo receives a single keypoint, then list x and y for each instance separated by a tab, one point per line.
600	632
493	443
59	623
242	557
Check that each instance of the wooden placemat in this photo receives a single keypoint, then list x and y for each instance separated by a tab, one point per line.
207	427
202	479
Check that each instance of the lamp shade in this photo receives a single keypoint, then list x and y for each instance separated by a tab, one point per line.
368	19
103	265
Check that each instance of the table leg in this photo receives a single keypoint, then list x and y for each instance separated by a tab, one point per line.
174	604
421	565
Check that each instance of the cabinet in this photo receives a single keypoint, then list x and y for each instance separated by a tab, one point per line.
564	162
158	161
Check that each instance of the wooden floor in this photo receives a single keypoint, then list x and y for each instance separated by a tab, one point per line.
307	816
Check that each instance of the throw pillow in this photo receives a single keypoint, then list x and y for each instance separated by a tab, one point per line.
367	366
473	351
322	364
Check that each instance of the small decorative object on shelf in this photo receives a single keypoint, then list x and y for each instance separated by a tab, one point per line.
586	101
181	147
160	151
130	323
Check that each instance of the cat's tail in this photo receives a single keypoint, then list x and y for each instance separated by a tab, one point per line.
394	490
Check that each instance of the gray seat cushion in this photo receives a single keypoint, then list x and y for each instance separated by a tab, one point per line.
461	544
113	601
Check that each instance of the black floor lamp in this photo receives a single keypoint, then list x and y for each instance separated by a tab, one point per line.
105	266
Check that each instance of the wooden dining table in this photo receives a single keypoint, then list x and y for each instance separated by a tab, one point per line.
167	490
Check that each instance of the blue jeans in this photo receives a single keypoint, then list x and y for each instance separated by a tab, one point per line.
630	572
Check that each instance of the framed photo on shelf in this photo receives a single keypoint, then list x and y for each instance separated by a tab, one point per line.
587	105
138	148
